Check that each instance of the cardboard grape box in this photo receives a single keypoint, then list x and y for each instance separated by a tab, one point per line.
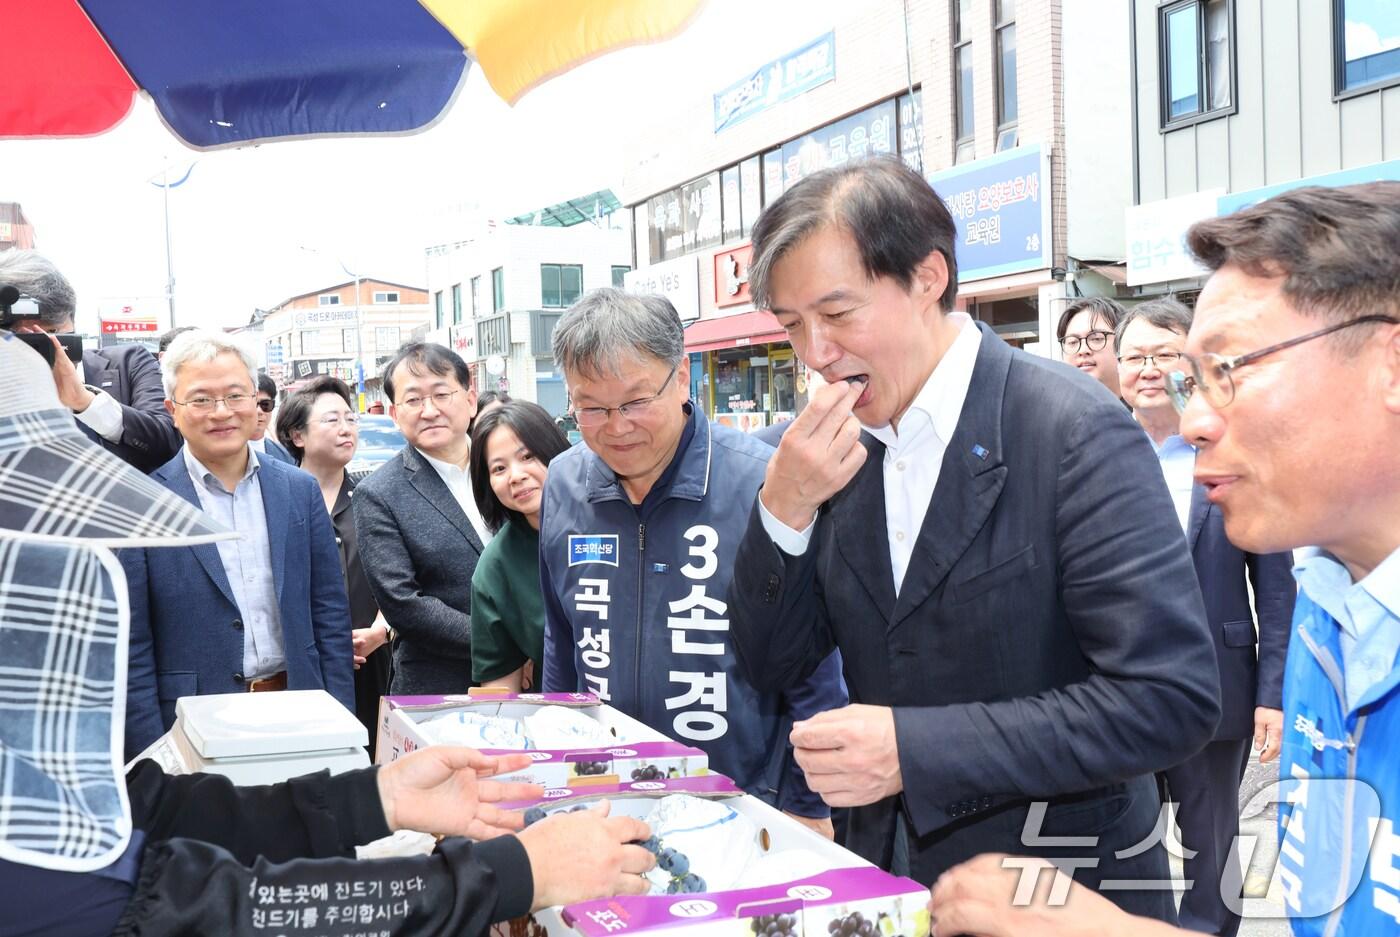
639	752
849	897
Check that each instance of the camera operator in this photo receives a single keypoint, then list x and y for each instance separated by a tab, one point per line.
115	393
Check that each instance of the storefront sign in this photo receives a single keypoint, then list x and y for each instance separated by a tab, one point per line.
872	132
1156	234
305	368
124	319
779	80
678	280
732	275
330	315
464	340
1001	206
1376	172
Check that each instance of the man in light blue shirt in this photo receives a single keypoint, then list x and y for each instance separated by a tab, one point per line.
1205	787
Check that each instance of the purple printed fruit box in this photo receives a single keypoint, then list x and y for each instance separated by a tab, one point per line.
623	749
831	892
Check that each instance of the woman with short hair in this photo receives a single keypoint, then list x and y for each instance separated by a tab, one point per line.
318	425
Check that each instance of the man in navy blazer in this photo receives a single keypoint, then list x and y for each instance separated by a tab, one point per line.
265	612
985	536
1205	787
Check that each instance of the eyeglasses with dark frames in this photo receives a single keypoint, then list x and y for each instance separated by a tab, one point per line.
1211	373
267	406
1095	340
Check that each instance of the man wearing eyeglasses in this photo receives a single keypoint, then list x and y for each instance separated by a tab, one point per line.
1149	343
262	443
1290	392
419	528
638	531
115	393
265	612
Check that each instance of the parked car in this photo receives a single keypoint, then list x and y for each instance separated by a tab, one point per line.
380	441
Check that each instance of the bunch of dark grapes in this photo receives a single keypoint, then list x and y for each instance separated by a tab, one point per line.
536	814
854	924
677	865
774	925
591	767
649	773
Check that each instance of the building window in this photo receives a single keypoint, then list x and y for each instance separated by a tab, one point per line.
330	299
750	193
476	296
619	276
456	303
729	204
389	298
1366	44
310	342
1197	52
963	125
348	341
498	289
772	176
1006	74
386	338
437	309
560	285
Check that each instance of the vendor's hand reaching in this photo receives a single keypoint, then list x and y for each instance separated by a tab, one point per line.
442	790
980	899
585	855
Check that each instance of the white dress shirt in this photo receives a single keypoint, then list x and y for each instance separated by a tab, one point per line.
459	482
247	562
1177	457
913	453
103	414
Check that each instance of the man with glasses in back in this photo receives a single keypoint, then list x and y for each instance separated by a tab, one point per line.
1085	334
638	532
420	531
262	443
267	611
1290	391
1205	787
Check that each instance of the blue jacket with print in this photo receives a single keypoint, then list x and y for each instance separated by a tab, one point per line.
635	609
1339	813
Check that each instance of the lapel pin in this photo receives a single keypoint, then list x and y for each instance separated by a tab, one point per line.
980	452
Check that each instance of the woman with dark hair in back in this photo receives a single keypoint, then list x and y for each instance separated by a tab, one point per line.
512	445
318	425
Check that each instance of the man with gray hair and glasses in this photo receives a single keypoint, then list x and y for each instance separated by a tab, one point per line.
267	611
114	393
1289	388
638	531
1149	342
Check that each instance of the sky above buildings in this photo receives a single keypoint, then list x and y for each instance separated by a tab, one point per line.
253	226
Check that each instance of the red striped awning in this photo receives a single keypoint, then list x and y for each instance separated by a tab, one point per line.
747	328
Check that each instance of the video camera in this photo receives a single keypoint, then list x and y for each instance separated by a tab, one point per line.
16	308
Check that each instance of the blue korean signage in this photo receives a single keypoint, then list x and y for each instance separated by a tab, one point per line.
1379	172
1001	206
802	70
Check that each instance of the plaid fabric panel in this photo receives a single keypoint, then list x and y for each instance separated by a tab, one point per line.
62	653
54	483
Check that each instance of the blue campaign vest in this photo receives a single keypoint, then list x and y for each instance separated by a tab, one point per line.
636	606
1339	860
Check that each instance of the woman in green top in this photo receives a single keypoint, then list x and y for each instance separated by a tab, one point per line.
512	445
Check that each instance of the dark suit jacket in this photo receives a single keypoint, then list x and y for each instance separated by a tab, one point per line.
419	551
275	450
187	630
130	374
1049	637
1247	679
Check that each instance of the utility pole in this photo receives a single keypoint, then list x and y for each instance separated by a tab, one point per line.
169	262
